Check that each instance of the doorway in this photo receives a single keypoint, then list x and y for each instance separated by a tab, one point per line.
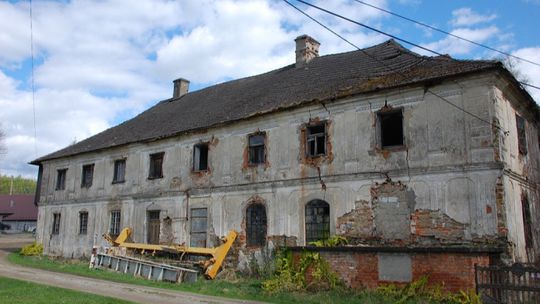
153	227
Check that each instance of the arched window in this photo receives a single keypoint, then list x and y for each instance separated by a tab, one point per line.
317	220
256	225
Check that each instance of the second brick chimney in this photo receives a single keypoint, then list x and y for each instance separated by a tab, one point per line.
307	48
181	87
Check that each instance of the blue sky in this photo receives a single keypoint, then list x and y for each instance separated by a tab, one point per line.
98	63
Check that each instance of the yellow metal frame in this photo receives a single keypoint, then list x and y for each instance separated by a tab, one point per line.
211	266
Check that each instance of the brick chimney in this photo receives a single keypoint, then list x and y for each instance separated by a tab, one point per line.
181	87
307	48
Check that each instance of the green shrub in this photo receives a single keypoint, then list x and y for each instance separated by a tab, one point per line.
32	249
291	276
419	289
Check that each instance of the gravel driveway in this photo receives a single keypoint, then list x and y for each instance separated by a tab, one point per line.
134	293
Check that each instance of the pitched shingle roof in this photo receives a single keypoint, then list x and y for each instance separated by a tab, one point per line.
325	78
20	206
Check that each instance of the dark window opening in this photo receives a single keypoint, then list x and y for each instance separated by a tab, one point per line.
114	228
56	223
522	137
391	128
527	225
87	176
256	225
200	157
61	179
199	218
316	140
156	165
83	222
317	221
119	171
256	149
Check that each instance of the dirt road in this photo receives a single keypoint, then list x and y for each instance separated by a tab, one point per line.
134	293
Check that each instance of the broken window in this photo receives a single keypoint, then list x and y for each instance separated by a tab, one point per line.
522	137
317	220
256	149
114	228
119	171
527	225
200	157
199	219
156	165
61	179
83	222
390	128
256	225
56	223
87	176
316	140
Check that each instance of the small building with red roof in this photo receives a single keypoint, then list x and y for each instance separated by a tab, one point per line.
18	211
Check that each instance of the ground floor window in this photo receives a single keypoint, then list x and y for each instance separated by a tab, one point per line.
256	225
199	224
114	228
56	223
83	222
317	220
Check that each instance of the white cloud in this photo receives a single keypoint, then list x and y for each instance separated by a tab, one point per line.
530	71
454	46
100	61
467	17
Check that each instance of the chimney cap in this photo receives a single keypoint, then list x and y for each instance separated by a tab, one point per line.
307	37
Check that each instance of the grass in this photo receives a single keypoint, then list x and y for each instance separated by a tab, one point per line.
19	292
247	289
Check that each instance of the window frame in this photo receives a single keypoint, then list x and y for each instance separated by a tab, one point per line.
197	157
87	176
195	216
254	149
83	222
115	222
521	129
57	216
61	175
313	138
312	235
154	157
256	230
116	176
381	127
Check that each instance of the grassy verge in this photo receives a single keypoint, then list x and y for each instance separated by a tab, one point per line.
238	288
19	292
248	289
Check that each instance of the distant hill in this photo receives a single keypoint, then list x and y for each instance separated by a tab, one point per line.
20	185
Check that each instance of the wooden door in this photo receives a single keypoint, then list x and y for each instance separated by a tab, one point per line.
153	227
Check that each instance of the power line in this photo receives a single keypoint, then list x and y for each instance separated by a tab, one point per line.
370	28
447	33
33	86
383	63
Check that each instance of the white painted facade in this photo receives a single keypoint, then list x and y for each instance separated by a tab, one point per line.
449	161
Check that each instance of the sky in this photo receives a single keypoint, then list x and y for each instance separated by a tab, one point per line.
98	63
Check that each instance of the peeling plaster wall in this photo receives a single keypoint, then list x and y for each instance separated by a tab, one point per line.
521	175
446	171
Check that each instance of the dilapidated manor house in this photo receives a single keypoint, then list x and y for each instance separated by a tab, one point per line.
396	151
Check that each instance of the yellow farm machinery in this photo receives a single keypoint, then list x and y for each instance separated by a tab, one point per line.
129	257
